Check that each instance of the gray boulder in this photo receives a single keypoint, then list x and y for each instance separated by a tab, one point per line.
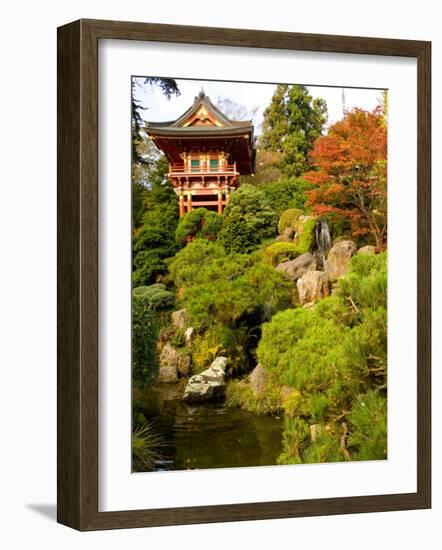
209	384
294	269
313	286
258	379
336	264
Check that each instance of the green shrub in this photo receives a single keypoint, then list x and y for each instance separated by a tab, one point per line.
156	296
281	252
201	223
288	219
368	419
186	267
295	439
247	220
144	339
231	288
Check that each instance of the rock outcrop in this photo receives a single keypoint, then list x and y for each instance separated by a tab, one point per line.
336	264
179	318
168	374
209	385
172	361
313	286
258	379
287	235
294	269
369	249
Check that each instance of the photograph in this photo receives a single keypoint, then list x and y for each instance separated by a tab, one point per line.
259	276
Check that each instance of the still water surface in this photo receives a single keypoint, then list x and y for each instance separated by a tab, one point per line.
209	435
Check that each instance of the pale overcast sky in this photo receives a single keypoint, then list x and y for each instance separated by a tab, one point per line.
159	108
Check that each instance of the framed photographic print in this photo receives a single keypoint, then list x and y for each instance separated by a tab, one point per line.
244	275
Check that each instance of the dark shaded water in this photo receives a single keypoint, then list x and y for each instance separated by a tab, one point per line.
209	435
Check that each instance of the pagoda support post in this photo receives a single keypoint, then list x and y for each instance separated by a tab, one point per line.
189	202
220	202
181	201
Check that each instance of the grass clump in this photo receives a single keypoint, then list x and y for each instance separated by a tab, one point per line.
239	393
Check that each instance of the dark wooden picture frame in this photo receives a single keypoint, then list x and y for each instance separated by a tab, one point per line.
77	227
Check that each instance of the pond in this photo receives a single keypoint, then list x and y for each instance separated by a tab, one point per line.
208	435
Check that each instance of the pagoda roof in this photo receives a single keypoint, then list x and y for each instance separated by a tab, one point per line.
201	117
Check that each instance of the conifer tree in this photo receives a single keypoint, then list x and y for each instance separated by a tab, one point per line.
292	123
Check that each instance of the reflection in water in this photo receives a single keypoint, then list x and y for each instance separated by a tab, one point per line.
209	435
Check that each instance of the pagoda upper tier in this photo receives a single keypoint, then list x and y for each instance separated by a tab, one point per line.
207	152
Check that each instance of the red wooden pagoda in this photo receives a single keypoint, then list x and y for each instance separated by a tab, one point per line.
207	152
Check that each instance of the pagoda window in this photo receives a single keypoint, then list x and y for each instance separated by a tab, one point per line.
194	165
214	163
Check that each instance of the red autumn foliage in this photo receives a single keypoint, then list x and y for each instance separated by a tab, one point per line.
350	174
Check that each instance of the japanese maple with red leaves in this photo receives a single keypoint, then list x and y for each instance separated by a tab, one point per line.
350	175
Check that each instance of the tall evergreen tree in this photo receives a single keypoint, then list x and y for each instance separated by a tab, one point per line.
292	123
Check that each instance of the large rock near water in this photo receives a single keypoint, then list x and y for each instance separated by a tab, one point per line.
294	269
336	264
209	384
258	379
168	374
171	360
313	286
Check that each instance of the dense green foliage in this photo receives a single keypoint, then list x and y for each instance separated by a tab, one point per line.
227	287
144	338
247	220
198	223
334	358
155	296
154	240
227	296
185	267
292	123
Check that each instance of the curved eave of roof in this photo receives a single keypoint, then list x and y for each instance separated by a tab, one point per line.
192	131
201	100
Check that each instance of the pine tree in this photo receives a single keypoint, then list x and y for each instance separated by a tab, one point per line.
292	123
